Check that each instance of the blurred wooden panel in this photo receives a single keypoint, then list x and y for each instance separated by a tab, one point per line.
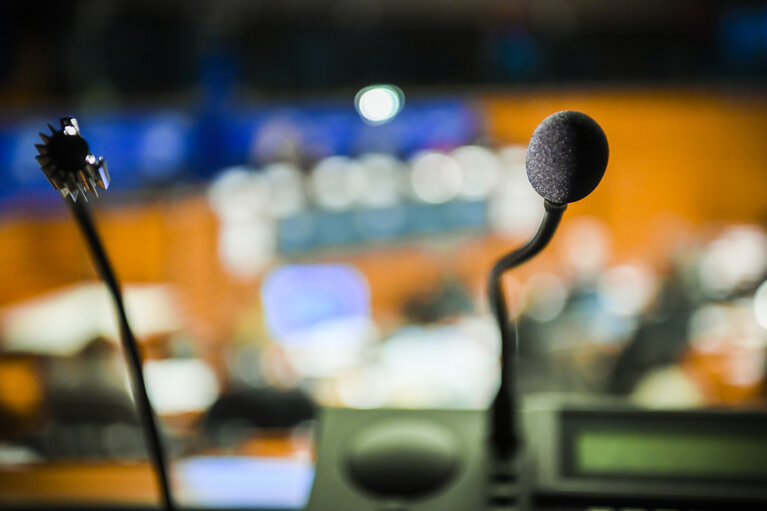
78	483
21	389
147	241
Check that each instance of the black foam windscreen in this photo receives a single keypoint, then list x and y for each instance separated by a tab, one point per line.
566	157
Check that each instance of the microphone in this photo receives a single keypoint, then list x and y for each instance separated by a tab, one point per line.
429	460
566	159
66	161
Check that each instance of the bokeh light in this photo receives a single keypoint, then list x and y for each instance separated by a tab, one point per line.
378	104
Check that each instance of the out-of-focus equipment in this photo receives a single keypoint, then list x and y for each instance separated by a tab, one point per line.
419	460
67	163
609	455
578	456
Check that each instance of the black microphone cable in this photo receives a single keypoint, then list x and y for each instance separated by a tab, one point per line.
72	170
504	434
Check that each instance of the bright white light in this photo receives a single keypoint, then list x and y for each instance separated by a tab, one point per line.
515	208
384	178
286	187
412	362
736	258
62	322
760	305
435	177
585	248
180	385
228	182
480	171
626	289
245	248
336	182
365	388
243	201
378	104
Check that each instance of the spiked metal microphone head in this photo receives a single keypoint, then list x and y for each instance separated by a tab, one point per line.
67	162
566	157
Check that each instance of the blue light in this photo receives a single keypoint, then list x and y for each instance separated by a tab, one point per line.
300	297
240	482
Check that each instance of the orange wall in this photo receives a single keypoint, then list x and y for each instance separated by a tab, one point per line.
160	241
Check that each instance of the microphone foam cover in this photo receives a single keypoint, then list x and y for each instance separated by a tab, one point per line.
566	157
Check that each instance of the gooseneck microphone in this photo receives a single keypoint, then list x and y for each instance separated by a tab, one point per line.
566	159
449	460
72	170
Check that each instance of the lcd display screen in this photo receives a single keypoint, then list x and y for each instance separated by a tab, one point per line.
677	454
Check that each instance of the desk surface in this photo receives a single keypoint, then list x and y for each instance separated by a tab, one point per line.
78	482
205	481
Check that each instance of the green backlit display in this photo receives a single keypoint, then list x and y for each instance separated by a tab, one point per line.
656	453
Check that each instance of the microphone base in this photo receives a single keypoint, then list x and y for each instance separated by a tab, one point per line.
478	482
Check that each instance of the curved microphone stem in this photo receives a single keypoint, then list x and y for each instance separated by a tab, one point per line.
504	435
146	414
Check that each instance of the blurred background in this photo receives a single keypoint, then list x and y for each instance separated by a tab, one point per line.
307	198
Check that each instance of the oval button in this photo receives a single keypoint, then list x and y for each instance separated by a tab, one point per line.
402	458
